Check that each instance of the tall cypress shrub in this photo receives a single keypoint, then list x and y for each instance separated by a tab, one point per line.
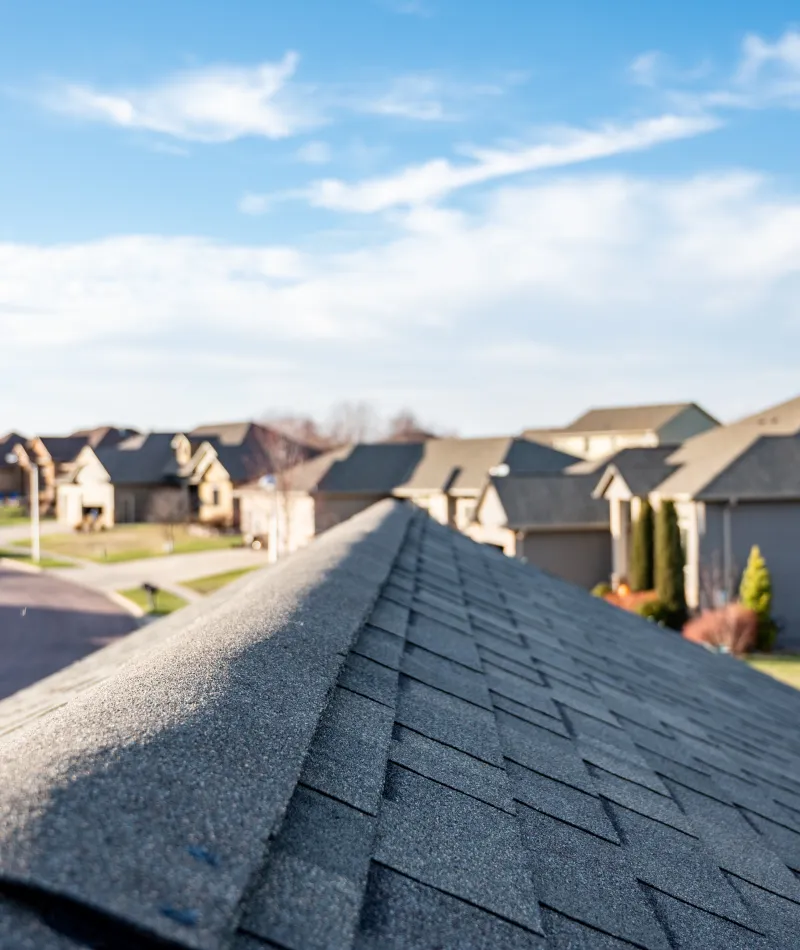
641	573
669	564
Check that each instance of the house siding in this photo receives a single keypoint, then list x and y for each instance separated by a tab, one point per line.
582	557
775	528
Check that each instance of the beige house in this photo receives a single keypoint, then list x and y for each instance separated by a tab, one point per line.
55	458
151	477
733	487
600	433
551	521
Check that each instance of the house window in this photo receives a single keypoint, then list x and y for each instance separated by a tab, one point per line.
214	496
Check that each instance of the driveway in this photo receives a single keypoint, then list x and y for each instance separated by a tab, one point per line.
166	572
47	623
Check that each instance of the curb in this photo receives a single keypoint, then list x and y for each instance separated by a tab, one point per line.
133	609
20	565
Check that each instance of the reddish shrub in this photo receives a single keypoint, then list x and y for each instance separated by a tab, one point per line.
733	627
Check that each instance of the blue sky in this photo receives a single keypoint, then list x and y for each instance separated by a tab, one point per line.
494	214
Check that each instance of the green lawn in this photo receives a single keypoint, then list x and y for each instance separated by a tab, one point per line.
207	585
12	516
165	602
132	542
784	667
44	561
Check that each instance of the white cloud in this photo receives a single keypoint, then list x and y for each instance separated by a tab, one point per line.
314	153
254	204
433	180
575	274
767	75
214	104
644	69
432	98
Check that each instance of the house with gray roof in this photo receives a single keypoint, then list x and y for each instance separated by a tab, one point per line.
733	487
398	739
599	433
452	473
551	520
444	476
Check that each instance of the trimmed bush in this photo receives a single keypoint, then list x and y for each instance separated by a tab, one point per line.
656	611
641	568
733	628
669	564
755	592
603	589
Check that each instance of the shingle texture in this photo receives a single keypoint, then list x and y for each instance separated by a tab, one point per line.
401	739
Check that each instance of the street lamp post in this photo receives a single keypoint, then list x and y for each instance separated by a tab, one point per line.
36	551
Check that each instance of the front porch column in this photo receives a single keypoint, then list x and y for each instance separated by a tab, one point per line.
620	533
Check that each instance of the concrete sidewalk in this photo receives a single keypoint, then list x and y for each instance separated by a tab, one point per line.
164	572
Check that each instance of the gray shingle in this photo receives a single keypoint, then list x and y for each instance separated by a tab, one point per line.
673	862
451	767
448	719
402	914
348	755
391	616
445	675
309	897
444	640
544	752
690	928
734	843
379	645
560	801
587	878
427	832
371	679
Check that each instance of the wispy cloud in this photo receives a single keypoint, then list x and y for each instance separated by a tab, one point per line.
214	104
552	263
645	68
433	180
314	153
767	75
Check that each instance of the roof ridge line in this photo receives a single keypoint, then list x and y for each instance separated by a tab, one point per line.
193	715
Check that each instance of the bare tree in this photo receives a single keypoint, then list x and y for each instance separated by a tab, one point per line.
169	507
284	455
301	428
406	427
717	589
352	422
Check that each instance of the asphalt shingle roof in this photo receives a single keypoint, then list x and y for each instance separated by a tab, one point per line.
463	465
556	499
372	469
627	418
64	448
705	457
144	459
400	739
